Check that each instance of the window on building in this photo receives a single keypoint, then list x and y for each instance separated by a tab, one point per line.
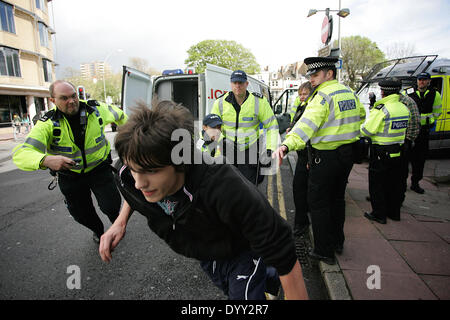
9	62
40	4
7	17
43	34
47	70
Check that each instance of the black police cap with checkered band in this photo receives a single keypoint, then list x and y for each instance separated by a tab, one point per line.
390	85
315	64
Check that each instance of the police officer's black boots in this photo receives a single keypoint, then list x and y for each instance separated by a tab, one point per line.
416	188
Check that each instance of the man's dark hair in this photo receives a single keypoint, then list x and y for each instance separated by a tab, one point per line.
332	69
145	139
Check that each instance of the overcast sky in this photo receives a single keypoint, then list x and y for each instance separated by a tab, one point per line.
277	32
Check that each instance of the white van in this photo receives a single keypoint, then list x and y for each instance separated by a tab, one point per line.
197	92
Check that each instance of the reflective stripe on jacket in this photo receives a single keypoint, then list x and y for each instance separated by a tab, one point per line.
332	118
387	121
294	108
430	107
53	136
254	111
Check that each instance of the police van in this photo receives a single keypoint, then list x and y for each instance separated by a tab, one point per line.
406	70
197	92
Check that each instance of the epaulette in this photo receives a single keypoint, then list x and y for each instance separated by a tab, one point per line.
257	94
222	95
92	103
409	90
380	106
47	115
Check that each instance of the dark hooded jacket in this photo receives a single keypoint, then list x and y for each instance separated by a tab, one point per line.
220	214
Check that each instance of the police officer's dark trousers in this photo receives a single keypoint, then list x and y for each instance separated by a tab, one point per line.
77	193
405	159
419	154
327	182
385	181
300	190
246	161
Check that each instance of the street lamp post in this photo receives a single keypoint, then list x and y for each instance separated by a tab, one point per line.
342	13
104	69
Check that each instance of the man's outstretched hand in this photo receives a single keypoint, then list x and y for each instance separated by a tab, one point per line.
279	154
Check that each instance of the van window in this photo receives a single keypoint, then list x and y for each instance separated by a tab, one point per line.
436	83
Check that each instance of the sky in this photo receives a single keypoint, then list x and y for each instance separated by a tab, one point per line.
277	32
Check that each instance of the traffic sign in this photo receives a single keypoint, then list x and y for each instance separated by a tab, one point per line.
327	29
325	51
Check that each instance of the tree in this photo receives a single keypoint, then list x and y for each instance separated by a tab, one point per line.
359	55
142	65
94	88
223	53
400	50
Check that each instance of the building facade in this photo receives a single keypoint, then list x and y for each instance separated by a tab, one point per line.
27	65
95	70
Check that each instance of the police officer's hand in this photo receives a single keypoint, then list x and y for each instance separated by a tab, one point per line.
58	163
280	153
109	241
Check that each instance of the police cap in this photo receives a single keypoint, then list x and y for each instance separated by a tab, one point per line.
314	64
212	120
390	85
423	75
238	76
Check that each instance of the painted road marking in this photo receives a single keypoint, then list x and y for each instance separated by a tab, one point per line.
281	203
280	195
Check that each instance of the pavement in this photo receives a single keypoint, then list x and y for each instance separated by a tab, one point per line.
401	260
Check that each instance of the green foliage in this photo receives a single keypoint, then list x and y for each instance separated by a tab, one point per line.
359	55
113	85
223	53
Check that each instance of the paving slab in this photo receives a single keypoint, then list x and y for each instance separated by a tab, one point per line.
359	227
440	285
364	205
360	253
442	229
419	217
393	286
432	258
357	194
407	229
428	185
352	210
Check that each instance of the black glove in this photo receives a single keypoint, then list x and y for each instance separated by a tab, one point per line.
372	98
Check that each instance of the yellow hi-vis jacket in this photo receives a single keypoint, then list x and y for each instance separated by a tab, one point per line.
52	135
387	121
297	103
215	146
333	118
429	104
244	129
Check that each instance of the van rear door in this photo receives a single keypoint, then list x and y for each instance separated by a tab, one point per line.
217	82
136	86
